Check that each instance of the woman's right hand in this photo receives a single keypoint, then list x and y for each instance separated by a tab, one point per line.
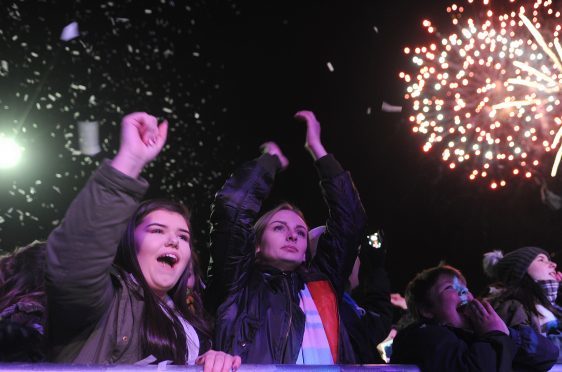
217	361
484	318
142	139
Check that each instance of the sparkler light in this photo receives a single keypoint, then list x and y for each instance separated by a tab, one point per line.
487	94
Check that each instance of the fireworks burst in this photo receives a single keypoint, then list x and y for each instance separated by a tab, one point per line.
487	94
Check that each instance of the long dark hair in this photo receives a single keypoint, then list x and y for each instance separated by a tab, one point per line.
195	294
21	275
529	293
162	333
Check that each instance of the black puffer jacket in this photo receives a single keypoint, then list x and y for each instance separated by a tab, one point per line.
260	318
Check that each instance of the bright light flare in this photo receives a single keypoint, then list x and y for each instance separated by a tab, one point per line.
10	152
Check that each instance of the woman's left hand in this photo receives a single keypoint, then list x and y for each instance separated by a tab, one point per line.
217	361
313	142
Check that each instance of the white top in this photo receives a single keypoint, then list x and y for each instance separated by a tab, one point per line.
191	337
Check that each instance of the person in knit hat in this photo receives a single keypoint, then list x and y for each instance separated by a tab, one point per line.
525	290
511	268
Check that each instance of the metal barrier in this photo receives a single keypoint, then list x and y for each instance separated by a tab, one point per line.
244	368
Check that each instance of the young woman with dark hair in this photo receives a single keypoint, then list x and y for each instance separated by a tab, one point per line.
23	310
453	331
277	305
117	271
526	290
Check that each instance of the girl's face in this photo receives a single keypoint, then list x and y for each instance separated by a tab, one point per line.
446	297
163	248
542	268
284	242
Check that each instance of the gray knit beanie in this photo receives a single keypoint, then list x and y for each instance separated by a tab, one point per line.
510	268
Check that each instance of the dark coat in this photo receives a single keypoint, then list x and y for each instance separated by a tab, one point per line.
539	352
369	327
93	317
260	318
436	348
94	313
22	332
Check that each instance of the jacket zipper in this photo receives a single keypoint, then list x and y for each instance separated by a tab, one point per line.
288	291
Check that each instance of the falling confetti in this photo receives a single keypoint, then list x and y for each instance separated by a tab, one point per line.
89	137
125	59
387	107
70	32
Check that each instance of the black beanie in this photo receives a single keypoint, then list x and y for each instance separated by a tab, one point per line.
513	266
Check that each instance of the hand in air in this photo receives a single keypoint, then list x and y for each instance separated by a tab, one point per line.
142	139
313	142
272	149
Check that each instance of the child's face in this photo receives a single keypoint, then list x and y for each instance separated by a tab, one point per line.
446	296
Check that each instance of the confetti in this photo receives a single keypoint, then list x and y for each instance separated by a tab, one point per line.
115	66
88	132
386	107
70	32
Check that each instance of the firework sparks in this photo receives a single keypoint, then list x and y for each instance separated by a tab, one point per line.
486	95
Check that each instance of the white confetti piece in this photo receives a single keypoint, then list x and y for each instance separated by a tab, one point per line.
330	66
4	68
88	132
70	32
386	107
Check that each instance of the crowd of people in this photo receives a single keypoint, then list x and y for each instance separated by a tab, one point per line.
119	281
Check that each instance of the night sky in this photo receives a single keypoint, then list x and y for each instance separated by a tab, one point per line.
228	76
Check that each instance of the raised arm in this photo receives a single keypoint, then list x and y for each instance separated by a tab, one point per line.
337	247
234	211
81	250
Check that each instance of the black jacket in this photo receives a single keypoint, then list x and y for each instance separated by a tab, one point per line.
260	318
370	327
441	348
